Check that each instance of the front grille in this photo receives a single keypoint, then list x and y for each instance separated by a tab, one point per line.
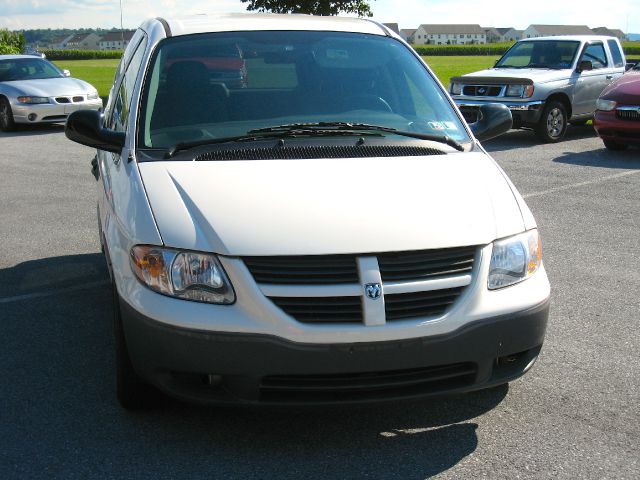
405	271
322	309
481	90
78	99
311	152
312	270
62	100
366	386
402	306
426	264
633	115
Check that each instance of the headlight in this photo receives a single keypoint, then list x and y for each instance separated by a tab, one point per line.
92	96
186	275
514	259
605	105
33	99
521	91
456	88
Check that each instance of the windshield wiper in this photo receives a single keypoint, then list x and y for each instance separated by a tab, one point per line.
357	127
254	135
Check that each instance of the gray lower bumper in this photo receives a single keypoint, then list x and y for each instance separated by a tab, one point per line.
258	369
523	113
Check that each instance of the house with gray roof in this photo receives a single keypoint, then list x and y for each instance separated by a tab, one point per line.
393	26
534	31
610	32
115	40
449	34
407	34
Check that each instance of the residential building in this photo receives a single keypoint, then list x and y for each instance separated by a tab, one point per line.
407	34
534	31
115	40
393	26
610	32
60	42
493	35
83	41
441	34
510	35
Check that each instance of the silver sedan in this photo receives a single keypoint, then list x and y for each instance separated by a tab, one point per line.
33	90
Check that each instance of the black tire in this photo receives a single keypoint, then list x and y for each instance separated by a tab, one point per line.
553	122
6	116
132	391
615	145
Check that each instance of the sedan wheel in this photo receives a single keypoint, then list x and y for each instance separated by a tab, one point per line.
553	123
6	116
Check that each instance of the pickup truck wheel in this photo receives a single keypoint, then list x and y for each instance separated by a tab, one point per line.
614	145
553	123
133	393
6	116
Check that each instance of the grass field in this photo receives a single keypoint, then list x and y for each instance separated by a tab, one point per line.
99	73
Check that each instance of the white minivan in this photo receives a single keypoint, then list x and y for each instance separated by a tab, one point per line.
293	211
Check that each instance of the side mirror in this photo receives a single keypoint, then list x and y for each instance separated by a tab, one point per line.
629	66
85	127
494	119
584	65
66	73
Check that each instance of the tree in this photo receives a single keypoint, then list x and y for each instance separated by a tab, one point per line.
314	7
11	42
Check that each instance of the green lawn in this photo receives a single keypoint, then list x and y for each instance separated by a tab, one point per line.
100	73
447	67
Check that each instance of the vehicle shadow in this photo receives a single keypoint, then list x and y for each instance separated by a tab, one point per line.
602	157
25	130
56	347
514	139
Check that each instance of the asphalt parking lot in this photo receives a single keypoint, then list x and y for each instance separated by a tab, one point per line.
575	415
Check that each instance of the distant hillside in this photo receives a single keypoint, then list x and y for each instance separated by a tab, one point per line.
634	37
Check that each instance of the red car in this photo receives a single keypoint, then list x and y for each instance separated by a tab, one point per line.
617	118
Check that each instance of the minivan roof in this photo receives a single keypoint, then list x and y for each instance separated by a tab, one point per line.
231	22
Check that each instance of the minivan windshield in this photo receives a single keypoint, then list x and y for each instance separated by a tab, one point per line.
220	86
555	54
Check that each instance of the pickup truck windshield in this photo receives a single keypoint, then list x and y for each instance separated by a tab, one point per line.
226	85
555	54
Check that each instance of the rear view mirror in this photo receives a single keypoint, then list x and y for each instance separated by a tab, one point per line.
85	127
494	119
584	65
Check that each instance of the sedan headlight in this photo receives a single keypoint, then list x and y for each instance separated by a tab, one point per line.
605	105
521	91
92	96
456	88
186	275
33	99
514	259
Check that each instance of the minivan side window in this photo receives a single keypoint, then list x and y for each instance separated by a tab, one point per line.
596	55
122	103
616	53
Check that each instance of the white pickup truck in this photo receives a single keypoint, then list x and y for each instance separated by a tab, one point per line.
546	82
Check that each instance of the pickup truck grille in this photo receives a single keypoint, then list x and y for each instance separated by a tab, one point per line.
414	284
630	113
482	90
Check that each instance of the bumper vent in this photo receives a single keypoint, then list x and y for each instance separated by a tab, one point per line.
633	115
292	153
366	386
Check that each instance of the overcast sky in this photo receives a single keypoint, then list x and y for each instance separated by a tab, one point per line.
622	14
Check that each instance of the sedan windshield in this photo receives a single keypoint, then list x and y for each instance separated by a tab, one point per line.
219	86
540	54
27	69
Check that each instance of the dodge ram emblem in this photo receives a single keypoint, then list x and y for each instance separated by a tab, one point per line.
373	290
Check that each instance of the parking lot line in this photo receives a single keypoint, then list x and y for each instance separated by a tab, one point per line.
580	184
51	293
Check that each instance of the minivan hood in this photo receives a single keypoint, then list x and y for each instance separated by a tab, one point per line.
331	206
538	75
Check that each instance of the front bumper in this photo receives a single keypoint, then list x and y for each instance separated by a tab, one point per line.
524	114
611	128
212	367
50	112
